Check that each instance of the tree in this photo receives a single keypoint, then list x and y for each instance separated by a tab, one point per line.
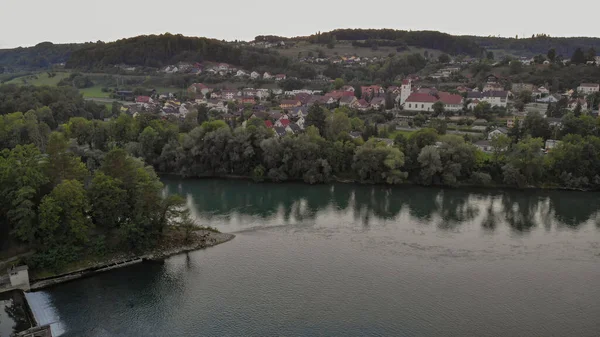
338	83
591	54
358	91
551	55
578	57
374	162
431	164
63	216
439	125
316	117
489	55
482	110
419	120
500	145
338	125
438	108
444	58
62	163
108	201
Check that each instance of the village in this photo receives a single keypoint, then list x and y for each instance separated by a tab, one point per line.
482	111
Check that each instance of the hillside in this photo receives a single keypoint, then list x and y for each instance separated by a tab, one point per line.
40	56
161	50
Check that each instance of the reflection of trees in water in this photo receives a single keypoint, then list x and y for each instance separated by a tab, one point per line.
521	210
456	207
573	208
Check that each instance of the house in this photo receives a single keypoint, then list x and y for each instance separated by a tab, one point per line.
282	123
361	105
572	105
254	75
229	95
267	76
549	99
347	88
519	87
388	142
290	104
328	101
372	91
294	128
268	124
199	88
493	87
551	144
462	89
299	112
145	100
494	98
497	132
588	88
554	122
348	101
280	77
304	98
484	145
275	114
248	100
378	103
279	131
355	134
241	73
300	121
451	102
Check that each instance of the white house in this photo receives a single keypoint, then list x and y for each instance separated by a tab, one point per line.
267	76
497	132
241	73
494	98
254	75
19	277
588	88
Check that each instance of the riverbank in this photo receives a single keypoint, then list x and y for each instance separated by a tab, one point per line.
173	244
342	180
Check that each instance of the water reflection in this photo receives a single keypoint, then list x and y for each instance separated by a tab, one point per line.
244	205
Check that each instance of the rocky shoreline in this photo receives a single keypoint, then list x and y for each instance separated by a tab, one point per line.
203	239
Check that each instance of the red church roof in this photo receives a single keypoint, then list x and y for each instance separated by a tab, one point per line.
421	98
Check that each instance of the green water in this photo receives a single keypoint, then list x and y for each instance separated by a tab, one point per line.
347	260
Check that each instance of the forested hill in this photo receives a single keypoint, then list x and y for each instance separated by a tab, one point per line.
161	50
40	56
453	45
538	44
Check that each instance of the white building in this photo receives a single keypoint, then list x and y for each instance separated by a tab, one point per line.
494	98
405	90
588	88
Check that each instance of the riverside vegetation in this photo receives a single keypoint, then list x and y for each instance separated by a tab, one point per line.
77	178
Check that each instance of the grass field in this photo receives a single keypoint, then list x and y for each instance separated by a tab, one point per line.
406	134
94	92
39	79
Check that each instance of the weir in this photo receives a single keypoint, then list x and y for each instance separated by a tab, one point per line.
44	313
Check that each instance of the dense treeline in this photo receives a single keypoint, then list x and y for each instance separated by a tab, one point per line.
42	55
67	201
564	46
453	45
161	50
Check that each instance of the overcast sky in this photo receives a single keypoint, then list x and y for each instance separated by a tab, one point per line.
26	23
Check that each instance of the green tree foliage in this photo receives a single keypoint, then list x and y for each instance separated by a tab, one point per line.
316	117
374	162
578	57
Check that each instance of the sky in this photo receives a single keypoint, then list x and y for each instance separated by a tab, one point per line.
25	23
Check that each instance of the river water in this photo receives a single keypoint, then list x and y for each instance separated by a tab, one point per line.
348	260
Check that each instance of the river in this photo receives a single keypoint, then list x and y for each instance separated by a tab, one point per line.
348	260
